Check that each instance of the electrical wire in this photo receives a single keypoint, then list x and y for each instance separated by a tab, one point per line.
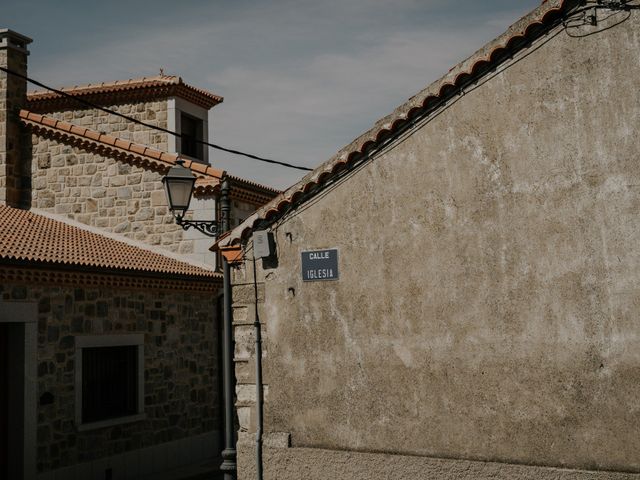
148	125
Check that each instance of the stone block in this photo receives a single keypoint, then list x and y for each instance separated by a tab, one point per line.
64	208
133	206
244	342
58	161
158	198
123	193
134	179
144	214
99	192
44	160
122	227
117	181
39	183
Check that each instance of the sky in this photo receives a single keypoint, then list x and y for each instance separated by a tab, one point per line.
300	78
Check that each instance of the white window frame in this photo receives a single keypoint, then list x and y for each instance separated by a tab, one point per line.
175	107
92	341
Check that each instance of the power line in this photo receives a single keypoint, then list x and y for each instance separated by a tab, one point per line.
148	125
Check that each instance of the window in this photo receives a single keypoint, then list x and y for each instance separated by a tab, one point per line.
191	129
109	383
109	380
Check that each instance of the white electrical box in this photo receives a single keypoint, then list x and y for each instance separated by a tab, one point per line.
262	244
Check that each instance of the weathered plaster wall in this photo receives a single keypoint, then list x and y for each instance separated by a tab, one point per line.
319	464
488	293
180	378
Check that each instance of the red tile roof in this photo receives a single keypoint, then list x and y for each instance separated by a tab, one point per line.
36	238
161	86
208	178
527	28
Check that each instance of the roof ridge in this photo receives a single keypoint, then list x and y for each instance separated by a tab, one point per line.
164	85
382	128
251	183
130	81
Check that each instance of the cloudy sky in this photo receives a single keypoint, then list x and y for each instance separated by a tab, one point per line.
300	78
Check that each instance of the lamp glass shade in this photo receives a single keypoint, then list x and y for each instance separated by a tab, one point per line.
178	186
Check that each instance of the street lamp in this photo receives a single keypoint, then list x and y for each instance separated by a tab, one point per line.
178	186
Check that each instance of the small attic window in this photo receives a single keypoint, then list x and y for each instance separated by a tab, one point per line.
191	129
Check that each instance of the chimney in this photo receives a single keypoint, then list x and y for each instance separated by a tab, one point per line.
15	141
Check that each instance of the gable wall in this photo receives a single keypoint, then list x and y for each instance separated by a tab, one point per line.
487	303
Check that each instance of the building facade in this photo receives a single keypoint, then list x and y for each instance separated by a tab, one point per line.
481	322
108	310
74	159
109	355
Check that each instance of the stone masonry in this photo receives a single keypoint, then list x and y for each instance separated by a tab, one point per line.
104	193
14	164
180	351
151	112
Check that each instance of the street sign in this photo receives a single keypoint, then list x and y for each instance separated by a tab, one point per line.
320	265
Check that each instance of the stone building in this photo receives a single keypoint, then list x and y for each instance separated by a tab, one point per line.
481	321
92	264
108	354
74	159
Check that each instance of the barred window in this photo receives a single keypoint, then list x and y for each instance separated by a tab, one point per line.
109	382
109	379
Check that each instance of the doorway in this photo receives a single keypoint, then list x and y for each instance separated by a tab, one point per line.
4	400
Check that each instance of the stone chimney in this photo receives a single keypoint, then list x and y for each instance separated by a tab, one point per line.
15	141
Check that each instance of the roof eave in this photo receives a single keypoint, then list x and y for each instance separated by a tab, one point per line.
516	37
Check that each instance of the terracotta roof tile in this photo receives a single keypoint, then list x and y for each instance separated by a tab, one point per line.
208	178
37	238
527	27
158	86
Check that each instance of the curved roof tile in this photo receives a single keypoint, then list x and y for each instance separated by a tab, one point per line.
158	86
207	178
37	238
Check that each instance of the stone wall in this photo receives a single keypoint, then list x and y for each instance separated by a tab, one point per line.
180	366
487	302
151	112
105	193
14	144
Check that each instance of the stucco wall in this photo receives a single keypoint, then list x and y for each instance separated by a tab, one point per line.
319	464
180	367
488	293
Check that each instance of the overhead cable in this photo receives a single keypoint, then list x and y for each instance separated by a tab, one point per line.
148	125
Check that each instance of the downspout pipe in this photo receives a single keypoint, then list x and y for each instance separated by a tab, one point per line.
259	389
228	466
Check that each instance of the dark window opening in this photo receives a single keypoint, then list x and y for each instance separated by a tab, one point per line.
109	382
191	130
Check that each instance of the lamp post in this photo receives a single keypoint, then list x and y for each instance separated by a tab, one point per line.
178	185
